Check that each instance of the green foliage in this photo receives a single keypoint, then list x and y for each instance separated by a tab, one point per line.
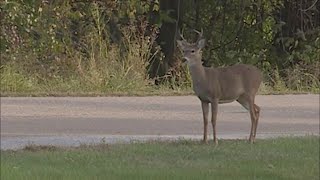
65	46
110	46
236	31
256	32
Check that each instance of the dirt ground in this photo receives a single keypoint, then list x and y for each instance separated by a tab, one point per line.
28	119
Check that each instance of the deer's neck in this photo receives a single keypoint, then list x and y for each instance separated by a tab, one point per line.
198	79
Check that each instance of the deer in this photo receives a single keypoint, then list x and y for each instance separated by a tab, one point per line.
239	82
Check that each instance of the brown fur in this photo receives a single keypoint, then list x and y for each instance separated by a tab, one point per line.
222	85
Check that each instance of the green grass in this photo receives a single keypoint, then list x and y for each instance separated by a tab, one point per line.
281	158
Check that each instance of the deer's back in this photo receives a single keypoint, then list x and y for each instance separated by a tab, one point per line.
233	81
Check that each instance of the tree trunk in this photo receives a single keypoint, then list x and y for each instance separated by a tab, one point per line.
167	36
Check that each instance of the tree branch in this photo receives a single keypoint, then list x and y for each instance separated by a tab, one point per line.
304	10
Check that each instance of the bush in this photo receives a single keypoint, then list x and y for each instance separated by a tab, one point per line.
44	45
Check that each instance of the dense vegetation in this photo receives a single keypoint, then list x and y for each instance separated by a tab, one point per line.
120	46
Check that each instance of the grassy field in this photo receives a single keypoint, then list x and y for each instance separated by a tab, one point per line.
281	158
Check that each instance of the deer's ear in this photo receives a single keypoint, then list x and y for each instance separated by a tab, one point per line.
201	43
180	44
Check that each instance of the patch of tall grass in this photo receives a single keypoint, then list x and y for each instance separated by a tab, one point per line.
104	67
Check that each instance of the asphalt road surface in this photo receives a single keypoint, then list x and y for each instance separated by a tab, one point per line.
70	121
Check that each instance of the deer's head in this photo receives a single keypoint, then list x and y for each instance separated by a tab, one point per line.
191	52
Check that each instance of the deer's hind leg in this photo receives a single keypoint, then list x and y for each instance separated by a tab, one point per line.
248	103
257	112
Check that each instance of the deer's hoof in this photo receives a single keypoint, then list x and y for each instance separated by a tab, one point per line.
204	141
216	142
251	141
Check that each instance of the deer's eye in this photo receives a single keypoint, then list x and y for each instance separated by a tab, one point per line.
192	51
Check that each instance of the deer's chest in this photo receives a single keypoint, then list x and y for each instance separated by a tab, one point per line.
202	92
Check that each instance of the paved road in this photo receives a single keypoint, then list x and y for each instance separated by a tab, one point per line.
76	120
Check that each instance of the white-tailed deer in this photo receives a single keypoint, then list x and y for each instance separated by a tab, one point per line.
239	82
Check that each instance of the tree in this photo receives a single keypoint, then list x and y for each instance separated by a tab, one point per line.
169	21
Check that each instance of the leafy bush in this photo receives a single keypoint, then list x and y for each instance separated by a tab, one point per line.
45	45
113	46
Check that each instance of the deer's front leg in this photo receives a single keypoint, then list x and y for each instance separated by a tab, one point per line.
214	112
205	111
